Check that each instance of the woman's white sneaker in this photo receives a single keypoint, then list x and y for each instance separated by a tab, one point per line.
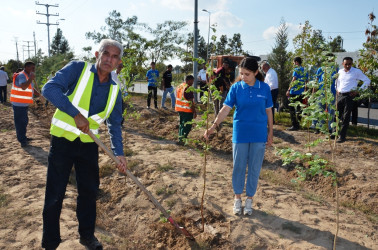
237	206
248	207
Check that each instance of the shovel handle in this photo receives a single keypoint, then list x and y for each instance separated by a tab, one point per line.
128	173
141	186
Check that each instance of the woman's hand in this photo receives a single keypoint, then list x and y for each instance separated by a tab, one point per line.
269	143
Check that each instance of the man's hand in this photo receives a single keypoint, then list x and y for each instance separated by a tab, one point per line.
82	123
32	76
123	166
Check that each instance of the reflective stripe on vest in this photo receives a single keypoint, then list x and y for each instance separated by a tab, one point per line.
63	125
182	105
20	95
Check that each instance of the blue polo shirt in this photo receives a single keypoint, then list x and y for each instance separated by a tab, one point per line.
63	84
250	118
319	76
152	75
298	86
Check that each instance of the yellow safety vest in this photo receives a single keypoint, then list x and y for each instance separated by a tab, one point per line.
63	125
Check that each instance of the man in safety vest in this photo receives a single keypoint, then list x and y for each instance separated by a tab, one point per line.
21	96
185	107
85	96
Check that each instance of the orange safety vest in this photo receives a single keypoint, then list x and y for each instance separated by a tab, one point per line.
20	95
182	105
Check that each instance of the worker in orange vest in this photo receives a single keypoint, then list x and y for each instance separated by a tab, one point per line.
185	107
21	96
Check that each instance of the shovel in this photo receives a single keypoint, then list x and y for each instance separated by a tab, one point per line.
141	186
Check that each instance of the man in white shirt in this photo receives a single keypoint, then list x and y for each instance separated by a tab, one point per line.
3	85
272	80
202	78
346	87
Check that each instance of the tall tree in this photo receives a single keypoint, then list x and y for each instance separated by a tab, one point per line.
278	60
309	45
235	44
116	28
222	45
167	40
59	44
336	45
368	62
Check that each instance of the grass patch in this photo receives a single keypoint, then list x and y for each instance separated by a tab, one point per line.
189	173
3	199
312	197
276	178
106	170
282	118
165	190
128	151
132	164
291	227
171	203
106	238
358	131
367	210
165	167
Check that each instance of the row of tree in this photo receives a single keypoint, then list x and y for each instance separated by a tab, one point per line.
168	40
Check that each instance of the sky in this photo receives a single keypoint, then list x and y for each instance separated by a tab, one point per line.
256	21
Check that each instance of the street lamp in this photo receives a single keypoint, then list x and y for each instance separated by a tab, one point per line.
208	35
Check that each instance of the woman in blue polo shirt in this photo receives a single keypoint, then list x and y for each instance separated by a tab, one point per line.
252	129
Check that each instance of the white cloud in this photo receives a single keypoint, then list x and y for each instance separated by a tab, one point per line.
270	33
21	13
225	19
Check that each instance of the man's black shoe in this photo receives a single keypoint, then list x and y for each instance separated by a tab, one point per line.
91	243
24	144
29	139
340	140
293	128
332	137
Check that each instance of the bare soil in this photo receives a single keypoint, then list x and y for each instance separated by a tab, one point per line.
285	216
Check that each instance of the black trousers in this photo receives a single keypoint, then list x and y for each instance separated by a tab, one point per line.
345	105
3	94
150	91
62	156
274	93
295	112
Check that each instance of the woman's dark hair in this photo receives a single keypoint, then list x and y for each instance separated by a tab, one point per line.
252	65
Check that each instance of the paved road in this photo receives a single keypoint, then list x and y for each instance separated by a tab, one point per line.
362	111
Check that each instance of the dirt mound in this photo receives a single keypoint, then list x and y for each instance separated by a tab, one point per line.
285	216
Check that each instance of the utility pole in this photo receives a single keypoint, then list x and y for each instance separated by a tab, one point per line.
35	45
28	50
208	36
195	48
15	38
48	20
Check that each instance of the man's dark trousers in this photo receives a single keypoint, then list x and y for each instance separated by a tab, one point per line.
21	120
345	105
295	112
3	94
184	129
151	90
274	93
62	156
